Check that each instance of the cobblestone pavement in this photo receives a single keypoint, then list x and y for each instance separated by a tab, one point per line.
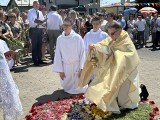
38	84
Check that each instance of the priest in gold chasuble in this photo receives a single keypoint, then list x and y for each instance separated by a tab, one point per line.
116	83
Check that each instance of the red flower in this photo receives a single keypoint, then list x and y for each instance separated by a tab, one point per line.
49	101
151	118
156	110
34	113
29	117
151	115
40	103
151	102
32	110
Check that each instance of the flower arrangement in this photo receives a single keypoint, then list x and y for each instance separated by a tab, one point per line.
79	108
155	114
52	110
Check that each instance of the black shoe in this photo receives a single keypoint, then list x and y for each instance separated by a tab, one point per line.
36	64
41	62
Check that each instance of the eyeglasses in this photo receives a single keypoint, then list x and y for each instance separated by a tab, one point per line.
113	32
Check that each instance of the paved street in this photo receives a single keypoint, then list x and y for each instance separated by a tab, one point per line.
38	84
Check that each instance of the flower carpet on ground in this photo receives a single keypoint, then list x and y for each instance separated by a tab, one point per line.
79	108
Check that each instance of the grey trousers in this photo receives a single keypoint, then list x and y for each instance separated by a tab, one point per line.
52	36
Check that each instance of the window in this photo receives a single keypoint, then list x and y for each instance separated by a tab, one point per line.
91	1
90	11
50	1
95	10
95	0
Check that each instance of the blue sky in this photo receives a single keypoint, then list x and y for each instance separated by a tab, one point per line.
4	2
108	2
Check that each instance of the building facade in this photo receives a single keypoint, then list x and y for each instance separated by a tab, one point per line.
82	6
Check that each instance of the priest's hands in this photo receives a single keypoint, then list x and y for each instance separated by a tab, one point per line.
62	75
92	46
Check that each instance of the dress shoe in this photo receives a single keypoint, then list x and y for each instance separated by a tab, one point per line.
36	64
41	62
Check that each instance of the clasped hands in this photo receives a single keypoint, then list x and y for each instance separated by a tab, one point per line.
39	22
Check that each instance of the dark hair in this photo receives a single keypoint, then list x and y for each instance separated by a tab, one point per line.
115	25
111	14
95	18
53	8
67	19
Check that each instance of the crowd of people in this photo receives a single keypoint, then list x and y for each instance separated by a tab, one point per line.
72	41
37	36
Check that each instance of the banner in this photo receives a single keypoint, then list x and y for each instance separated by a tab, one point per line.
132	4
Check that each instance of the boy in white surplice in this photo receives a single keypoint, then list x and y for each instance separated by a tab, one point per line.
69	58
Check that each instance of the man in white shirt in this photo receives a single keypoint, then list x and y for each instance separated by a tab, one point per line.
69	58
140	25
54	23
36	20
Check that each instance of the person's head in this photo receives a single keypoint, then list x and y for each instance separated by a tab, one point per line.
16	11
131	17
43	9
120	16
110	17
53	8
101	16
73	14
155	16
88	18
140	17
96	22
12	17
67	25
24	16
36	5
114	30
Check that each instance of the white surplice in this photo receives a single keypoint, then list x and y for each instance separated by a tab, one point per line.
94	37
69	58
4	48
9	93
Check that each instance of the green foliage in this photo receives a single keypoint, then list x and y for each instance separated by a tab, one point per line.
14	43
141	113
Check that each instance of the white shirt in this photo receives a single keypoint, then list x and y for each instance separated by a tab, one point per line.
130	23
32	15
158	23
94	37
141	25
103	24
54	21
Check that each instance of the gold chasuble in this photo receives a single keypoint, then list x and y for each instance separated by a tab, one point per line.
117	64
